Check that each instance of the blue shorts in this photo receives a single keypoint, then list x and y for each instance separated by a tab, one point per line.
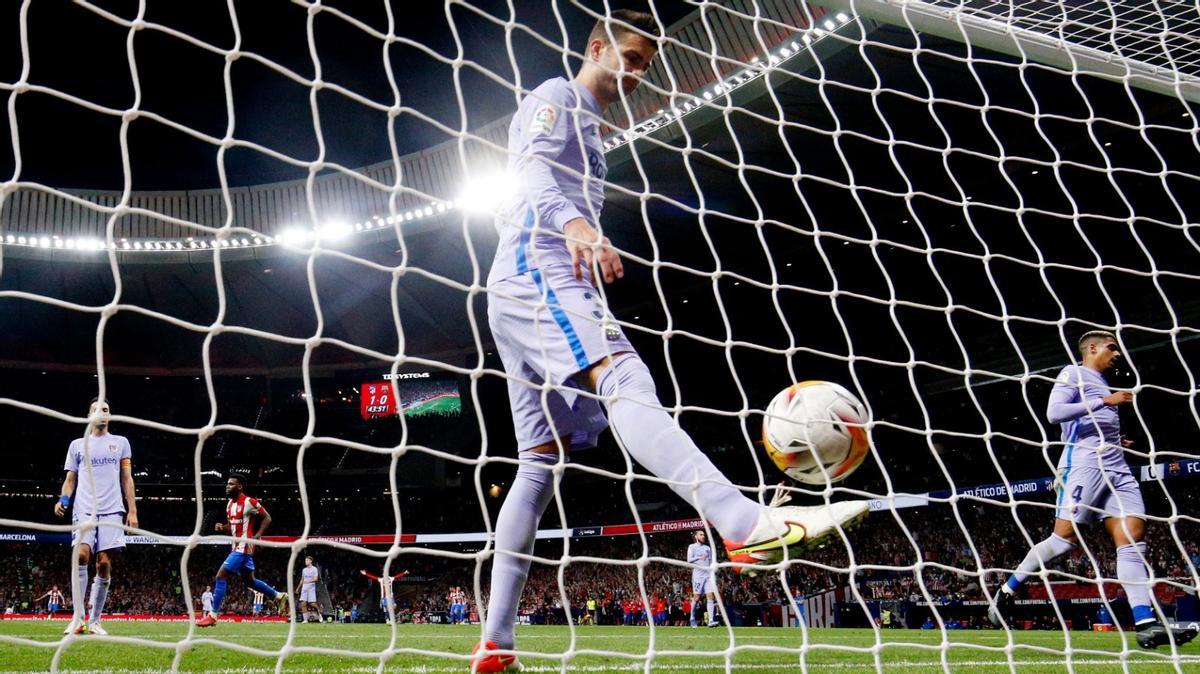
258	608
54	607
239	563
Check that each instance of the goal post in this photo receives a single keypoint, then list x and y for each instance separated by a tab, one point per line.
1085	38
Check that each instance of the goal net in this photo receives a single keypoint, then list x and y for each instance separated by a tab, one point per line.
262	232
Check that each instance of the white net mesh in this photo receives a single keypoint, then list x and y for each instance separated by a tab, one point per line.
927	202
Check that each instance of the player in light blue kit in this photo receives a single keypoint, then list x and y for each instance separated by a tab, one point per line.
104	491
550	325
700	553
206	600
307	590
1095	483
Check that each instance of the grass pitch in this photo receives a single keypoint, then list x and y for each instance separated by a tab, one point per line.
256	647
441	405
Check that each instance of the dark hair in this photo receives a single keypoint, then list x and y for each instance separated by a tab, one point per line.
1090	337
239	477
624	21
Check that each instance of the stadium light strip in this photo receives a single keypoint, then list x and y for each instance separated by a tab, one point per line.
757	69
287	236
337	231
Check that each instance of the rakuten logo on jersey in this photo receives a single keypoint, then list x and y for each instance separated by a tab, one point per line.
407	375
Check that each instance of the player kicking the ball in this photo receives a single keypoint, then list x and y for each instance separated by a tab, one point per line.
104	491
551	325
1095	483
248	520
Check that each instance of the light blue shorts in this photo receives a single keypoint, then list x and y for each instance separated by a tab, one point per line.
106	535
1085	497
548	327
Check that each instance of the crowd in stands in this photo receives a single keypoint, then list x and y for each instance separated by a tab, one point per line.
919	553
413	391
917	454
930	553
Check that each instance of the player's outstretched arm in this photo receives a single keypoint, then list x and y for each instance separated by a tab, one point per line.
68	489
131	516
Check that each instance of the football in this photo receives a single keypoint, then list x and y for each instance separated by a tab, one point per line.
815	432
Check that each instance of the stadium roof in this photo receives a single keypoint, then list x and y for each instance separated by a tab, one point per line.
863	129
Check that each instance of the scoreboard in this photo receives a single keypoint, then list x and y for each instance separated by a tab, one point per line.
411	394
377	399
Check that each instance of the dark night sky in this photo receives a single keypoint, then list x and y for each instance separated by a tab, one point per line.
75	51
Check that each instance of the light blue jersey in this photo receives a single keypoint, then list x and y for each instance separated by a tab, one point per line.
98	491
546	130
308	575
1091	430
700	555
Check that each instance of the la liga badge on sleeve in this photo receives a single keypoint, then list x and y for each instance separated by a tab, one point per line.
543	119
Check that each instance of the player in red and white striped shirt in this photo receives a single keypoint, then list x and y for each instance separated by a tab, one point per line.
385	592
247	521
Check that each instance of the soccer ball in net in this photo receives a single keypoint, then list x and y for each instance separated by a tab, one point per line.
814	432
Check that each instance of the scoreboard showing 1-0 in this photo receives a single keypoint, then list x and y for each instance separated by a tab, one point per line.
377	400
415	394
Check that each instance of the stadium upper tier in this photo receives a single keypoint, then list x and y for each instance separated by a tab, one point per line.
704	65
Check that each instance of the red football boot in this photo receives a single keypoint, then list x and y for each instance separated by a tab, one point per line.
494	662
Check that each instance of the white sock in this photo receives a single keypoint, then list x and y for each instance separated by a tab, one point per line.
516	526
99	595
1040	555
1134	575
654	440
79	591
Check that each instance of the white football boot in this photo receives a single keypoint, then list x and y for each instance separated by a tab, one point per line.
792	528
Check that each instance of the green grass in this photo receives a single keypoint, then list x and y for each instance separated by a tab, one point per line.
32	647
442	405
